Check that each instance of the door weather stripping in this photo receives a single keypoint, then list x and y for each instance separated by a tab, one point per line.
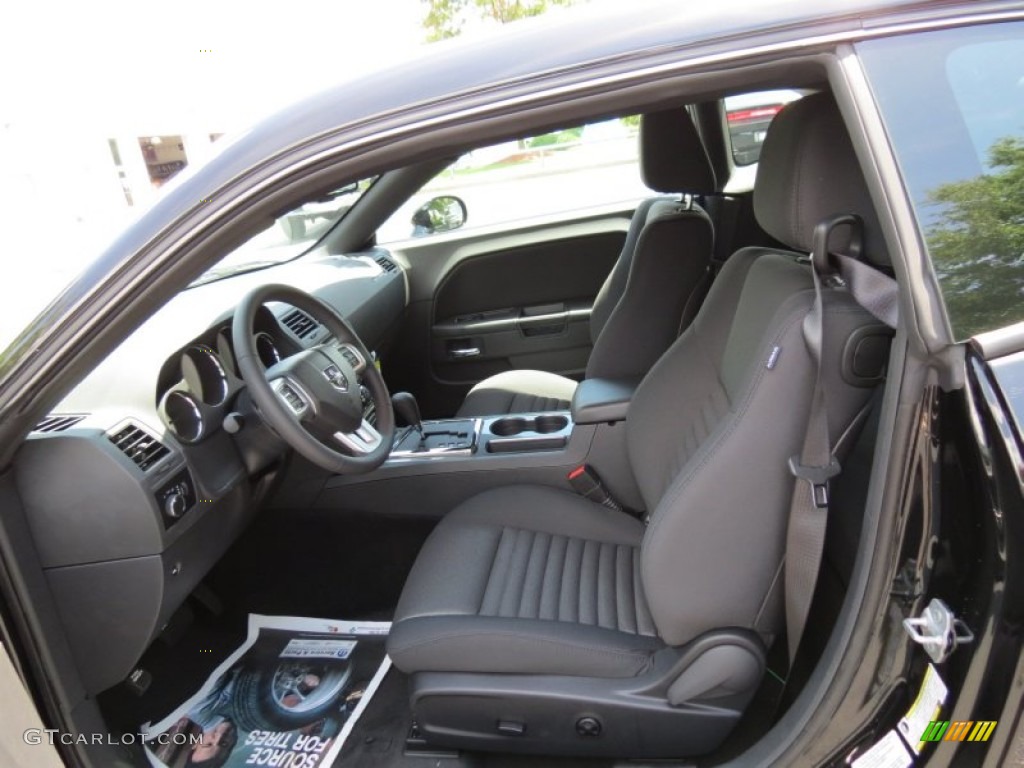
938	630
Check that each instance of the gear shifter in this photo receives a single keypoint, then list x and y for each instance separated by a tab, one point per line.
406	407
451	435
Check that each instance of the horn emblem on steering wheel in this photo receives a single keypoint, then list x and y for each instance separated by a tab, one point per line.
337	379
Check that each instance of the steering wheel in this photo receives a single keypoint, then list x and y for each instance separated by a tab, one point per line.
313	399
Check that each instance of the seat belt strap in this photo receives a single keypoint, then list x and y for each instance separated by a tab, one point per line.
874	290
816	464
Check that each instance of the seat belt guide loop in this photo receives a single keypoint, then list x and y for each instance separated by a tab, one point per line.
821	240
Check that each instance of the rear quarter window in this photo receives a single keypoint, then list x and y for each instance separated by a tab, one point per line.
747	116
953	106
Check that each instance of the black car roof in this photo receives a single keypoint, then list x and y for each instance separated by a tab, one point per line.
531	55
573	41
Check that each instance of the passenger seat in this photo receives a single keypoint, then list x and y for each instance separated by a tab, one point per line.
647	297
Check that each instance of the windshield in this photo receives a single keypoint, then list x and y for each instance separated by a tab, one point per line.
290	235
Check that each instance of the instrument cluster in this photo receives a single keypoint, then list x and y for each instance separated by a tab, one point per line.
205	380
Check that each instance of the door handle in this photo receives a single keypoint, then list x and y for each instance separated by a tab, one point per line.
463	352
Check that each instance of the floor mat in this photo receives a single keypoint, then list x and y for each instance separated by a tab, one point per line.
289	696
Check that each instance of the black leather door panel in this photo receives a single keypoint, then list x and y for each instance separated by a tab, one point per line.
543	273
482	303
526	307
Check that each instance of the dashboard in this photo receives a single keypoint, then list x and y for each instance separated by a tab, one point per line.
140	479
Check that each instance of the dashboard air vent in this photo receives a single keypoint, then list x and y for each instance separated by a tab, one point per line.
386	264
301	324
139	446
58	422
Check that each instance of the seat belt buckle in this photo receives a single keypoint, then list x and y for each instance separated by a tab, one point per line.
586	482
816	477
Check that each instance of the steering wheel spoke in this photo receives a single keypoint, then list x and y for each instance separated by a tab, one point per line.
363	440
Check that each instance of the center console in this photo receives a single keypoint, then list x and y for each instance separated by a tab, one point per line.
435	465
517	433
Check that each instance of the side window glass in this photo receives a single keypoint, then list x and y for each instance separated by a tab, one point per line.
561	174
953	104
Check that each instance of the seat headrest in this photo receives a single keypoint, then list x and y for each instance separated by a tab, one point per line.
672	156
807	172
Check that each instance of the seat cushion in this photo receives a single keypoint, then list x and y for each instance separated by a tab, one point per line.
518	392
529	580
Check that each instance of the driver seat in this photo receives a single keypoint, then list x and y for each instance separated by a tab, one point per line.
535	620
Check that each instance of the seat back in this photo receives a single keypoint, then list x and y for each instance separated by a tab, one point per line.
664	260
712	426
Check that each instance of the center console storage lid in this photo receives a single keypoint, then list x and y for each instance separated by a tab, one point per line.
602	400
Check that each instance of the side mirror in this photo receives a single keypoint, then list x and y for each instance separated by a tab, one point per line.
439	214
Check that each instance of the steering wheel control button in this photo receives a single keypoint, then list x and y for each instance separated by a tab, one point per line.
369	409
511	728
352	357
289	394
588	727
337	379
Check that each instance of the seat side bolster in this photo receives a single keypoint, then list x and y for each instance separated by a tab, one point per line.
611	290
671	261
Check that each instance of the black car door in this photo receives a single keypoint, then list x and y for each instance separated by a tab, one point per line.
512	288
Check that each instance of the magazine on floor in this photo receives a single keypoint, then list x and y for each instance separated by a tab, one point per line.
288	697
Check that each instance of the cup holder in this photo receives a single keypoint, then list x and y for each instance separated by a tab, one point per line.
517	434
550	423
510	426
515	425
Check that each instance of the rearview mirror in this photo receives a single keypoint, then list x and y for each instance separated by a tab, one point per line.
439	214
